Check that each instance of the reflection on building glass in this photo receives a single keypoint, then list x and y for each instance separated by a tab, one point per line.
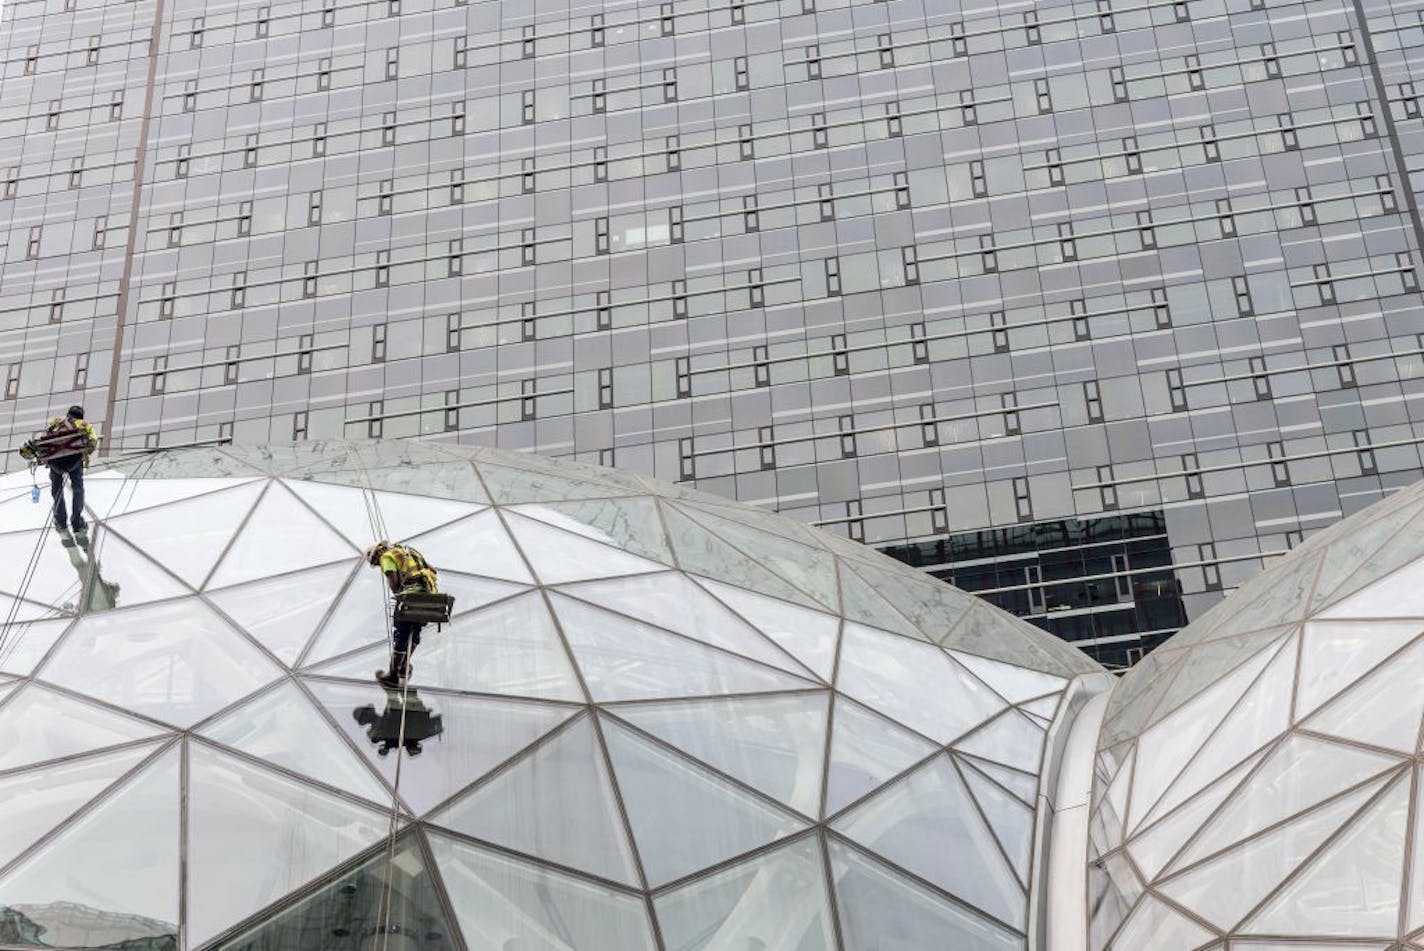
405	722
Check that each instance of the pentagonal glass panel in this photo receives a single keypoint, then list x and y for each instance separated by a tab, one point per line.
669	600
1299	773
175	661
556	803
558	556
387	894
115	866
39	724
914	683
505	903
1384	709
460	738
1337	653
349	510
282	727
926	823
663	791
1352	888
807	635
1225	888
879	907
254	835
776	900
477	545
281	613
37	800
866	751
775	744
623	659
280	536
188	536
631	524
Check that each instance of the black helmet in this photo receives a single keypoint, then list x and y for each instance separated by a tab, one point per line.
75	412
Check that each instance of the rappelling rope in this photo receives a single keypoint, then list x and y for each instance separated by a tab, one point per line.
378	529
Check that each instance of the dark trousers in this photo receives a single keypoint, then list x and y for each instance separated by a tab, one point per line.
75	472
406	641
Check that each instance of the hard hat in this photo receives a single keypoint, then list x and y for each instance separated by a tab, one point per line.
374	553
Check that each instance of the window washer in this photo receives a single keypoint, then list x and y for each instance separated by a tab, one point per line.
65	446
407	572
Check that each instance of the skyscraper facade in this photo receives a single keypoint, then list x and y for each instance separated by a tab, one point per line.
1085	306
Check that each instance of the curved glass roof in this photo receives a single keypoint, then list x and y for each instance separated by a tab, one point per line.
1260	775
657	719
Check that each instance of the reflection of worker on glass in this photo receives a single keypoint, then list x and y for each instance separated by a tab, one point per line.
97	594
384	730
65	446
408	574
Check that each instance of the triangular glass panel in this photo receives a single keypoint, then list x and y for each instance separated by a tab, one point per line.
477	545
1021	784
913	682
1046	707
1414	913
1113	890
1384	709
402	515
471	593
1354	548
1137	694
281	613
1011	739
440	479
556	803
866	605
932	606
1222	890
25	611
1169	743
190	536
927	824
702	553
670	600
359	619
116	865
558	556
38	724
623	659
282	727
881	908
254	835
1352	887
866	752
810	569
502	903
353	904
1285	599
1211	662
114	499
459	738
661	791
1300	773
776	900
807	635
280	537
1014	684
37	800
25	643
1337	653
1260	716
56	583
774	744
114	573
175	661
631	524
1010	820
19	514
1155	924
515	486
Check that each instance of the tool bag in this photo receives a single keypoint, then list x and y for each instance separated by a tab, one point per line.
423	607
56	444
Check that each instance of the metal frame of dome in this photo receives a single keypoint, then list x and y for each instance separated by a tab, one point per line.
668	720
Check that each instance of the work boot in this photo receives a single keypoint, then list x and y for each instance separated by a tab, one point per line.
390	681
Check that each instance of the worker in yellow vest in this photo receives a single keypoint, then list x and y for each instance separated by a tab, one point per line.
406	570
65	446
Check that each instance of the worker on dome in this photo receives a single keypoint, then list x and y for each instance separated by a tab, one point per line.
408	573
65	446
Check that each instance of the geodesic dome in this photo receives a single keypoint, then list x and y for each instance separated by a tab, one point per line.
1259	775
657	719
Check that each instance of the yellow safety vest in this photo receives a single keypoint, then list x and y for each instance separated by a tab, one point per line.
409	567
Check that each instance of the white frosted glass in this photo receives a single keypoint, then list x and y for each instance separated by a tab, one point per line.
1154	924
39	724
558	556
280	536
281	613
477	545
1337	653
1154	846
1400	594
866	751
347	509
1010	820
809	636
1014	684
25	644
1010	738
1384	709
189	536
811	570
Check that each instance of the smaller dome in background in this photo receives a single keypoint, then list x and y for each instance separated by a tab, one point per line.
1260	773
654	712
